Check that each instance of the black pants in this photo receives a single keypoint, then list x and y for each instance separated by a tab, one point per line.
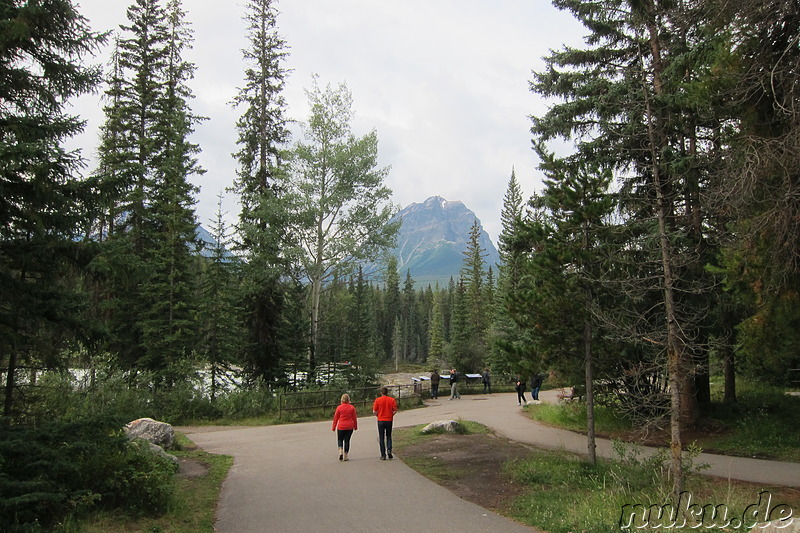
385	436
434	390
343	436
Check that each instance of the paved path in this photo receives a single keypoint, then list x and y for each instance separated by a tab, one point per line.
288	479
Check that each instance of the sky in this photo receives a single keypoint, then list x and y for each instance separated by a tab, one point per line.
444	83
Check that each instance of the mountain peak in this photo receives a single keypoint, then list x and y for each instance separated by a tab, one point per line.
433	237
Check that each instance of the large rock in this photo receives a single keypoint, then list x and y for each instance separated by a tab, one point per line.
159	433
443	426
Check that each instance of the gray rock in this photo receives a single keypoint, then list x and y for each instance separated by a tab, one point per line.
158	450
159	433
449	426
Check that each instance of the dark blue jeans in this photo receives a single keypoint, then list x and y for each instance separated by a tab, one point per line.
385	436
343	436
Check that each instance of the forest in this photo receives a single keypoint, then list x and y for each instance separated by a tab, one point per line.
662	250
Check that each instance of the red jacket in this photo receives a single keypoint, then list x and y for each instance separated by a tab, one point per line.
345	417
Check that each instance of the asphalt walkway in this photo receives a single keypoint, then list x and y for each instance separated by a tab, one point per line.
288	478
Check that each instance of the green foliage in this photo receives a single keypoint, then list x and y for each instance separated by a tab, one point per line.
64	469
566	493
763	422
43	205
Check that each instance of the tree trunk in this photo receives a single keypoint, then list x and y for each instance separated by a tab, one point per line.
587	344
729	371
8	401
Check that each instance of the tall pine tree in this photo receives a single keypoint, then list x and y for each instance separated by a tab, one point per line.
43	46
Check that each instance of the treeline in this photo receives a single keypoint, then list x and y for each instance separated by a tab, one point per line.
663	246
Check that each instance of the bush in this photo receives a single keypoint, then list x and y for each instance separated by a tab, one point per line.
61	470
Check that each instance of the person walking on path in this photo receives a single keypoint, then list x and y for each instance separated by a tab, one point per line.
385	407
435	378
345	421
536	384
454	395
520	391
487	381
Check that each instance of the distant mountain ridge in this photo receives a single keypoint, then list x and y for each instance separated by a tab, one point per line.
432	240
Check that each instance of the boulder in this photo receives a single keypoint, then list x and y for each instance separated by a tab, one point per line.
159	433
441	426
158	450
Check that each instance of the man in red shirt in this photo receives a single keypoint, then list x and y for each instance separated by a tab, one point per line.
385	407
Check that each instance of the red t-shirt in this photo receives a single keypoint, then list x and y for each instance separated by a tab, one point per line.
345	417
385	407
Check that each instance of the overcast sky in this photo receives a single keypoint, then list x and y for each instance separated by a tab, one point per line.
443	82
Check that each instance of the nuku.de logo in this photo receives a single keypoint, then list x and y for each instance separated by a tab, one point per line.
694	516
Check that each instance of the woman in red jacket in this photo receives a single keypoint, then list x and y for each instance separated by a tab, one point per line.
345	421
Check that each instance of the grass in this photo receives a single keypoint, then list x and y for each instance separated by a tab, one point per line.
764	422
563	493
572	416
566	494
191	509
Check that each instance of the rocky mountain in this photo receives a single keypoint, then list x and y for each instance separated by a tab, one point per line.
432	239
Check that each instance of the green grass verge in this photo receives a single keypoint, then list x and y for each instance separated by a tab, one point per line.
567	494
432	467
563	493
764	422
572	416
191	510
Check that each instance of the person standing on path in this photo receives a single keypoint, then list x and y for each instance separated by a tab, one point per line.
536	384
487	381
345	421
454	395
520	391
435	378
385	408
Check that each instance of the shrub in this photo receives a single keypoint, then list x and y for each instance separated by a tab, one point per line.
62	469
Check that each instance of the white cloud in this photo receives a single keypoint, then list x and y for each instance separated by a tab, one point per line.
444	83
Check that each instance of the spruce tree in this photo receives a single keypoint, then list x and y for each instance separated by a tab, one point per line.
638	115
262	236
146	219
218	314
168	327
43	49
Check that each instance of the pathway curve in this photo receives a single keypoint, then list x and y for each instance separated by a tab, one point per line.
287	478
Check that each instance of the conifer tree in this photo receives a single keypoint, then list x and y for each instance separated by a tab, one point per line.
43	47
507	346
436	334
219	315
169	328
263	136
146	161
391	305
473	279
638	116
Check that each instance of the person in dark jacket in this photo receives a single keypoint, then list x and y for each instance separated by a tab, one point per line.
487	381
520	387
536	384
454	395
435	378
